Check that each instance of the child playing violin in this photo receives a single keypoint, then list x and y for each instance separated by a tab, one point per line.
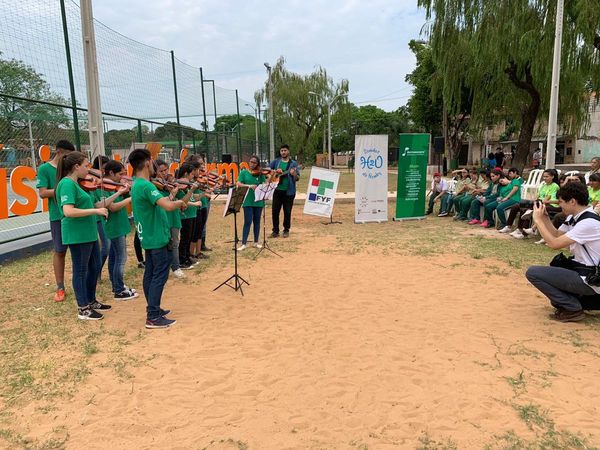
80	233
252	209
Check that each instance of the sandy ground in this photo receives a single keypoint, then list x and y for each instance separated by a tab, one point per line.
332	350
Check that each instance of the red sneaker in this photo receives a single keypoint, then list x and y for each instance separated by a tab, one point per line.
59	296
474	222
484	224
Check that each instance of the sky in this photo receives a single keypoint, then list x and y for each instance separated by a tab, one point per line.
363	42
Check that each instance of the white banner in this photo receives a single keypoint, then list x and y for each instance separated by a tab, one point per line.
320	194
371	178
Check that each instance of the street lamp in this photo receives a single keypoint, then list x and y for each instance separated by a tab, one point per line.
329	105
271	125
255	126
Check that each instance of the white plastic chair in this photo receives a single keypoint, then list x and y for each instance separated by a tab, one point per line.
534	181
572	173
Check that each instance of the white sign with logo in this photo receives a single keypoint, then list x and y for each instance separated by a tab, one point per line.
320	194
371	178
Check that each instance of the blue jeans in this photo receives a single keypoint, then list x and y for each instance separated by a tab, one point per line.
85	271
117	257
156	274
563	287
251	216
443	202
104	245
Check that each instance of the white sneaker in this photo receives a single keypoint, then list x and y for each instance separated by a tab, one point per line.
179	274
506	229
257	245
527	213
241	248
517	234
540	242
530	231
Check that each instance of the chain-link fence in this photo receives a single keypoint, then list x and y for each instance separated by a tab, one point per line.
147	95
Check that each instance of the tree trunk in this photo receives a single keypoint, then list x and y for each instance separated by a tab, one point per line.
529	114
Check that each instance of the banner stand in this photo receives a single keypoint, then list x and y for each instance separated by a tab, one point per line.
331	221
371	178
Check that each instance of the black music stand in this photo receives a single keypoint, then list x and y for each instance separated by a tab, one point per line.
234	203
265	244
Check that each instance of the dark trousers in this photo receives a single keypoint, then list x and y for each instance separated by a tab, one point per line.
137	245
251	216
156	274
281	199
562	286
104	244
86	268
187	228
200	223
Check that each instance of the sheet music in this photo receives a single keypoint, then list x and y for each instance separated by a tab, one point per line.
264	191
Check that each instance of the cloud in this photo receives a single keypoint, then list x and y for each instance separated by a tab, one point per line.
364	42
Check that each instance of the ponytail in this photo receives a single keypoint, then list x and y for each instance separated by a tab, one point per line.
66	164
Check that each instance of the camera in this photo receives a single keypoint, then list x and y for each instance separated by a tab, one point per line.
593	279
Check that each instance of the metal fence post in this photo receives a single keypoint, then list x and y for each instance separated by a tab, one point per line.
70	72
239	124
205	123
179	130
139	131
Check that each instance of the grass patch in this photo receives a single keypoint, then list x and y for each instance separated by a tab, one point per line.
427	443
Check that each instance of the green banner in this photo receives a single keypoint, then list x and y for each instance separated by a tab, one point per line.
413	152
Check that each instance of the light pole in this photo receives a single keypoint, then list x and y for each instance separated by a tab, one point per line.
255	125
553	116
329	105
271	125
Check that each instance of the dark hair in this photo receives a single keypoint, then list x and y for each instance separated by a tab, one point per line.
491	156
113	166
193	159
499	172
256	158
484	172
66	164
514	170
184	169
100	160
65	145
580	177
160	162
563	177
595	177
554	174
287	147
138	158
575	191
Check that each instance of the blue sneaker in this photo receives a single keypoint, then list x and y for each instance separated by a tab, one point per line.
160	322
164	312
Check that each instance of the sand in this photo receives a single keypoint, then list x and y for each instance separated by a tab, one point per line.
333	350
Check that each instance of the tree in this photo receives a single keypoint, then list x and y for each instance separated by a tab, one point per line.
20	80
503	52
298	114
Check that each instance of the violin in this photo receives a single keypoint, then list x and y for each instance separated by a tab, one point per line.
98	174
261	171
162	185
90	184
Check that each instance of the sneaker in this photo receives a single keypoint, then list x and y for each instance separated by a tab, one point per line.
474	222
241	248
562	315
506	229
99	306
517	234
202	256
126	295
89	314
193	260
286	234
164	312
59	296
185	266
443	214
530	231
141	265
274	235
179	274
160	322
527	213
541	241
485	224
257	245
428	212
127	288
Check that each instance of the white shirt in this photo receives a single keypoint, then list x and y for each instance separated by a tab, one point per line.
439	187
585	232
587	175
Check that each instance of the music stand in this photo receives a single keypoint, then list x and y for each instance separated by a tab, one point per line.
266	194
235	198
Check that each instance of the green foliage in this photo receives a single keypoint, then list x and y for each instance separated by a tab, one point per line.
504	52
298	114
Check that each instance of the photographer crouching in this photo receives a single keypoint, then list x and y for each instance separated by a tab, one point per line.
571	282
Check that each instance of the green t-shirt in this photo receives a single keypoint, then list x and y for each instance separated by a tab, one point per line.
96	196
203	200
594	195
117	224
173	217
548	190
503	191
518	182
284	180
191	211
75	230
150	219
46	176
246	177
